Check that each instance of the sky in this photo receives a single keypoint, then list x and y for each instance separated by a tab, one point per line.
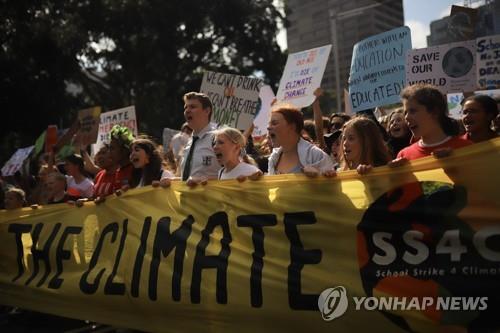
418	16
420	13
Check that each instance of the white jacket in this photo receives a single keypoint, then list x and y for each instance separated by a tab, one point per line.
309	155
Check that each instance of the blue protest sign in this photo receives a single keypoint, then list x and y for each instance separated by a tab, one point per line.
377	73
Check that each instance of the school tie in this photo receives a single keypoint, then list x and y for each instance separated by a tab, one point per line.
187	165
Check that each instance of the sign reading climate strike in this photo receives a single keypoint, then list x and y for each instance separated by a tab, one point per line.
235	98
302	75
378	69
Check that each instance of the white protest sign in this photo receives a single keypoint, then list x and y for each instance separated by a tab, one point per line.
450	67
235	98
377	73
167	135
488	62
494	93
16	161
455	105
302	75
261	121
123	117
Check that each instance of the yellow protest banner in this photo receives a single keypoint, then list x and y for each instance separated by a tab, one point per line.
413	248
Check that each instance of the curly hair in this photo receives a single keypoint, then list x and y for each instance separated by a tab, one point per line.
152	170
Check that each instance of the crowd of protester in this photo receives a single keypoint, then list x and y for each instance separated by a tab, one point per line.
201	152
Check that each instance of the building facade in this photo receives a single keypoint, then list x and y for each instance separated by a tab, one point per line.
310	25
487	23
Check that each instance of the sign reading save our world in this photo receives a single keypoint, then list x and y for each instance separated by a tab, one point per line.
377	73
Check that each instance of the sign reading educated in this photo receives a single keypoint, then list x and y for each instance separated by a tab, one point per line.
450	67
260	255
377	73
488	62
124	117
16	161
235	98
302	75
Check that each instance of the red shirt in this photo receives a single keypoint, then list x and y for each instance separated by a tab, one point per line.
466	136
415	151
104	183
123	176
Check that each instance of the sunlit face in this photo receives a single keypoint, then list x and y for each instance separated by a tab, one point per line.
475	118
196	116
351	145
398	127
420	121
279	129
226	150
12	201
138	157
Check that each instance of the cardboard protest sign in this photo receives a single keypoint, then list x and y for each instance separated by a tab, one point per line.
488	62
124	117
450	67
302	75
235	98
266	95
462	23
377	73
89	125
15	163
50	138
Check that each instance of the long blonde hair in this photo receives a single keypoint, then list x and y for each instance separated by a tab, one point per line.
234	135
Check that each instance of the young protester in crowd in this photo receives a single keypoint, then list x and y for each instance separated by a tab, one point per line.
496	124
14	198
229	148
78	185
294	155
399	133
363	146
198	158
147	160
56	185
104	181
426	113
40	194
333	146
179	141
337	121
119	149
478	113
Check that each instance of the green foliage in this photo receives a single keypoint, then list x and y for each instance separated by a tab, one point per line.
115	53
